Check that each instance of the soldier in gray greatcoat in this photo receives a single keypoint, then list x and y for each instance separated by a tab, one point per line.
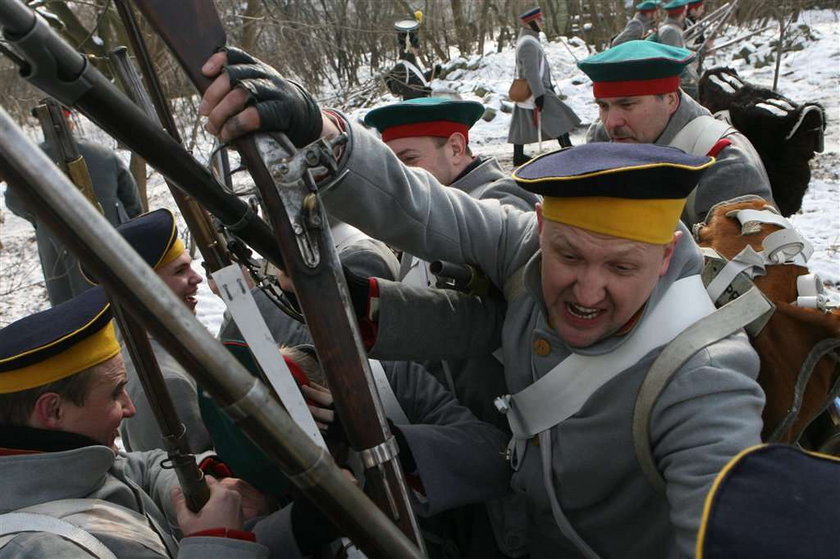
69	492
637	88
640	25
588	276
116	192
543	110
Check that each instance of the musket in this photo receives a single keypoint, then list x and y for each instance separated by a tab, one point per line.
60	139
700	26
209	242
53	66
738	39
289	194
460	277
173	431
126	276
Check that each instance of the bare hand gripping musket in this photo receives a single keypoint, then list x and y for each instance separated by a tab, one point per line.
60	139
284	178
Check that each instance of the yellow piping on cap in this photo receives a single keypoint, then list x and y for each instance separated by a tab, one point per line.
91	351
176	250
647	220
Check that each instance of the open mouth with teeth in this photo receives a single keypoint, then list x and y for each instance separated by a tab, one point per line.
585	313
191	300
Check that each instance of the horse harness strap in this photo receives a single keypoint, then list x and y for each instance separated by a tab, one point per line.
724	322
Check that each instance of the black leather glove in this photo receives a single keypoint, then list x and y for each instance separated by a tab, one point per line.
359	288
539	101
283	105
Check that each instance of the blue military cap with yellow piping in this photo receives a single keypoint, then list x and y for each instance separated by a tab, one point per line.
426	116
57	343
154	235
632	191
636	68
648	5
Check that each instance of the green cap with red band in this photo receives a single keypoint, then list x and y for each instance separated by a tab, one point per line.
636	68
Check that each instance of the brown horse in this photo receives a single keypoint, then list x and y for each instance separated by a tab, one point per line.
799	347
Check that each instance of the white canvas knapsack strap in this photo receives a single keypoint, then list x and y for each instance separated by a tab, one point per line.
390	405
18	522
724	322
561	392
700	135
415	70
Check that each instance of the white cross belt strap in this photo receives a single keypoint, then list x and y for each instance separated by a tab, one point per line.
390	405
19	522
243	309
562	391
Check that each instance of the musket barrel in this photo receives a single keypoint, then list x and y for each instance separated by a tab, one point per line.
54	67
126	275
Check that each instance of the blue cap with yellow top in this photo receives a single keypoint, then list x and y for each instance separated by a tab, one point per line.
57	343
631	191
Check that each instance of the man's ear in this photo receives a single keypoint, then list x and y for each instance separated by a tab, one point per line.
672	101
47	412
670	248
457	145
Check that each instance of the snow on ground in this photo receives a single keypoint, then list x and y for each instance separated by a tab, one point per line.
811	74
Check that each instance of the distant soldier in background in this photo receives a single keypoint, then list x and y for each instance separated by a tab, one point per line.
116	192
671	31
640	25
542	116
406	79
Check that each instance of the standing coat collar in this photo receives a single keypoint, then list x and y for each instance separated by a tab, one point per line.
486	170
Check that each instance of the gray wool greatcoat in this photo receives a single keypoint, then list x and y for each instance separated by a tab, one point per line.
635	30
557	117
134	521
116	192
737	171
479	379
709	412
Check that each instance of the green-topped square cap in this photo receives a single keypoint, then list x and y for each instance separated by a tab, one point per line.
648	5
636	68
427	116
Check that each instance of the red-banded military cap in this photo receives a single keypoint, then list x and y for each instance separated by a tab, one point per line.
648	5
531	15
427	116
56	343
675	7
631	191
636	68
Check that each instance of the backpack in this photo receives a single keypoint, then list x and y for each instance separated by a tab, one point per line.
748	246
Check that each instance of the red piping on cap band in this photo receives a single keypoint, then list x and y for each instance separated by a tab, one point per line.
636	87
531	18
437	128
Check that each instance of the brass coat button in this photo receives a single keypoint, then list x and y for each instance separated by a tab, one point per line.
542	347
